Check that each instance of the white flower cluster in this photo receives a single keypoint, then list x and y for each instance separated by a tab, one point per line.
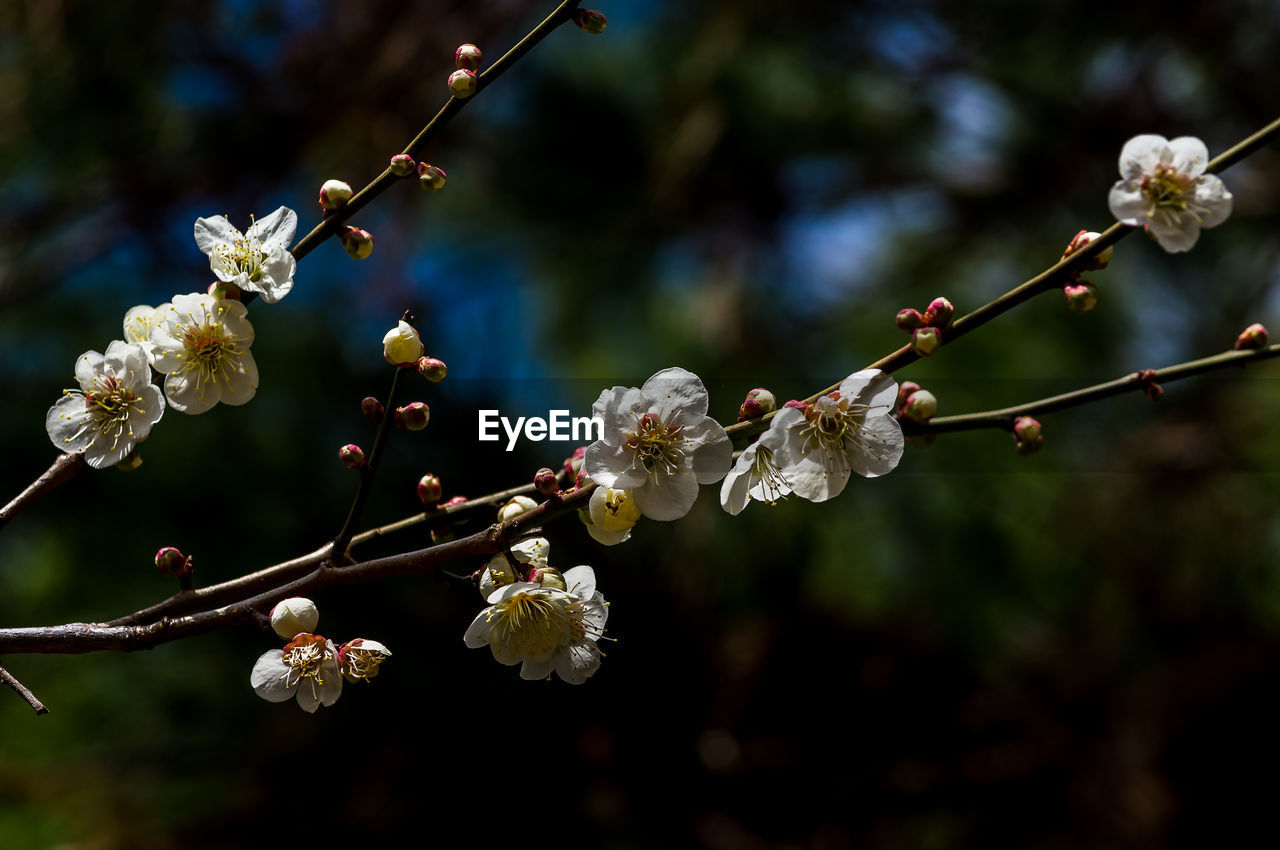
310	668
198	342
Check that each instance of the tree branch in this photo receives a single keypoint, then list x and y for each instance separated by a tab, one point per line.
22	691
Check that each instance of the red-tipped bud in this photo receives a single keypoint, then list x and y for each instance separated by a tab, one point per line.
462	83
173	563
798	405
468	57
758	402
334	195
225	291
372	409
1084	237
1081	297
402	165
573	463
909	319
582	480
432	369
544	481
905	389
925	341
1027	435
357	243
921	406
590	21
430	490
431	177
939	312
413	416
548	577
1252	337
352	456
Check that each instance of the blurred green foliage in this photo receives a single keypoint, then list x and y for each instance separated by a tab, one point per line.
980	650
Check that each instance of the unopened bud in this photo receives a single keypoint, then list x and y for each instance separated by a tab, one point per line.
583	480
1084	237
456	500
334	194
1252	337
225	291
798	405
431	177
939	312
352	456
548	577
1027	436
909	319
1147	380
1081	297
590	21
357	243
468	57
905	389
432	369
372	408
544	481
294	616
430	490
921	406
573	463
758	402
171	562
925	341
402	165
515	506
401	346
462	83
413	416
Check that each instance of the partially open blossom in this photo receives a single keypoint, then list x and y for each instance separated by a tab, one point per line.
755	475
849	430
611	514
659	443
499	571
925	341
432	369
1164	189
757	403
257	260
334	194
294	615
1254	336
307	668
414	416
359	659
431	177
401	346
468	57
202	348
462	83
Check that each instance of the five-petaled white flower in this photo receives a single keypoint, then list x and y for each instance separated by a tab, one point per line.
755	475
113	409
1165	190
139	322
849	430
545	629
531	553
202	346
306	668
658	443
257	260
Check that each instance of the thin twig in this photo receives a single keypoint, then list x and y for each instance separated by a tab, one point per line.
60	471
23	691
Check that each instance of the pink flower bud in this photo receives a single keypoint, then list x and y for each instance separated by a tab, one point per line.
921	406
352	456
432	369
573	463
1084	237
939	312
905	389
430	490
544	481
372	409
456	500
334	195
357	243
462	83
294	616
1027	435
909	319
402	165
171	562
548	577
590	21
925	341
431	177
1252	337
798	405
468	57
758	402
1081	297
413	416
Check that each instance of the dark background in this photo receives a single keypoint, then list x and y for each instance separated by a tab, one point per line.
1070	650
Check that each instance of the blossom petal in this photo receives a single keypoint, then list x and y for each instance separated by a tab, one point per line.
884	435
677	392
478	632
270	676
789	448
275	230
733	492
277	278
1141	154
188	394
581	581
1190	156
619	408
241	380
1175	235
534	670
668	497
577	662
613	466
871	387
88	366
1212	196
1128	204
214	232
67	422
714	454
813	480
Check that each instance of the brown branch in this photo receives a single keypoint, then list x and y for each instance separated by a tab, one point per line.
22	691
59	472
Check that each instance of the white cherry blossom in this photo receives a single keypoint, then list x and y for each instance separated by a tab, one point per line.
307	668
756	474
138	323
257	260
659	443
1164	189
611	514
849	430
112	410
202	347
